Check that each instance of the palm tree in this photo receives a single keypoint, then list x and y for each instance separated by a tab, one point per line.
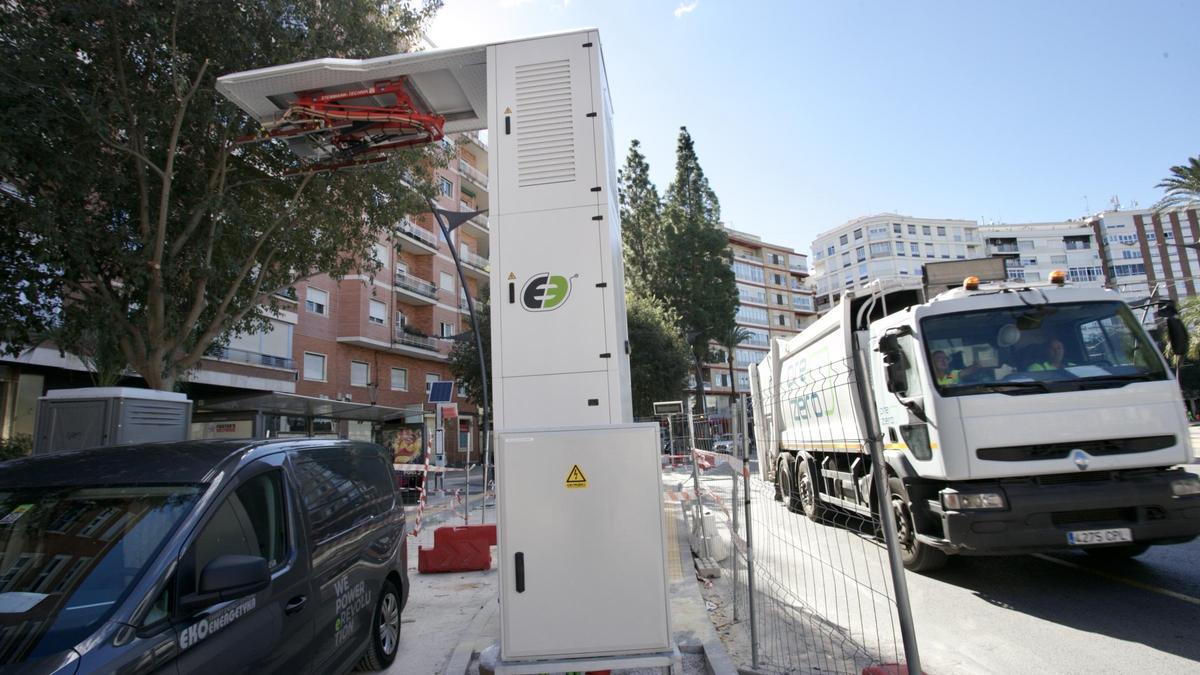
730	341
1182	186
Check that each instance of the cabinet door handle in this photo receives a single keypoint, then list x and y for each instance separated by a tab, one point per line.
519	563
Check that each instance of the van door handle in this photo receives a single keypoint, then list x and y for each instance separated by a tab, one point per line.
295	604
519	563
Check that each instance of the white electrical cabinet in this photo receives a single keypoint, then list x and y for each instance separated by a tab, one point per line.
559	336
583	569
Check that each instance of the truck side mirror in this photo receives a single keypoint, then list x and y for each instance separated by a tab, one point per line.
896	372
1176	330
894	365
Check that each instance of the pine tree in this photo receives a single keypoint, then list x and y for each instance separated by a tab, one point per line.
700	286
641	222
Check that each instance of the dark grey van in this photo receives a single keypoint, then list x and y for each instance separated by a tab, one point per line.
217	557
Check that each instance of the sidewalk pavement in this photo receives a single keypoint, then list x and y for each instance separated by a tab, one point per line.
451	618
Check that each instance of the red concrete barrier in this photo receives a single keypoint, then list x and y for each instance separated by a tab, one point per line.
458	549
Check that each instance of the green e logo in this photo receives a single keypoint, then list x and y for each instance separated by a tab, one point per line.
544	292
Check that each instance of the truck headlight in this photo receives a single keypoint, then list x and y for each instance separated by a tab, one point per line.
1185	487
953	500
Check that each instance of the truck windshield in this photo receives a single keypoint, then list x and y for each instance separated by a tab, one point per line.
68	556
1039	349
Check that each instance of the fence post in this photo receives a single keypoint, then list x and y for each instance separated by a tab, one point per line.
699	506
733	552
874	439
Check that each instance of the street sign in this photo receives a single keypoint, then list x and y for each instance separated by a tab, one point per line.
441	391
449	410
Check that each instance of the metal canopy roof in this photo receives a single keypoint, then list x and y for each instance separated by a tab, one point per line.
307	406
447	82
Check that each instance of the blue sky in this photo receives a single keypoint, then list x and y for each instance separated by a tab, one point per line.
808	114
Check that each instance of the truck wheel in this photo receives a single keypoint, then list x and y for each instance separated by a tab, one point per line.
806	489
385	630
786	484
916	556
1123	552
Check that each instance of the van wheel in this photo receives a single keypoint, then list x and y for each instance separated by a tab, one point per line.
916	556
385	630
1118	552
806	489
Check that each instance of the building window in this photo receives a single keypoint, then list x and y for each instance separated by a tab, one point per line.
914	248
464	435
843	240
381	254
929	251
881	249
446	188
446	281
401	320
1061	259
926	230
779	298
748	272
897	228
377	312
316	301
845	258
754	315
447	330
862	271
399	379
829	251
858	234
314	367
777	279
360	374
430	378
782	320
941	231
860	253
912	229
1025	244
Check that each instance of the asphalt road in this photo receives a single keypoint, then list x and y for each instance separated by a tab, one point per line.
1059	613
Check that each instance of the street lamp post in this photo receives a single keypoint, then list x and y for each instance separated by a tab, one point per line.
450	221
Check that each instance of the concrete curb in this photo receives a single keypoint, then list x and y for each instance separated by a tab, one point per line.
689	614
460	660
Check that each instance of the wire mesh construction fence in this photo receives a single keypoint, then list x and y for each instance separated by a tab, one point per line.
810	582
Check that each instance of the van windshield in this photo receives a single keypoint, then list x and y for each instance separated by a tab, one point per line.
68	556
1039	349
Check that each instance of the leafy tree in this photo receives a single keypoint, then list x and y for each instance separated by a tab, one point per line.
699	286
1189	313
641	222
733	337
124	181
464	357
658	357
1182	186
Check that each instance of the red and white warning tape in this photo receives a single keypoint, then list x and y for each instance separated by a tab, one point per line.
421	500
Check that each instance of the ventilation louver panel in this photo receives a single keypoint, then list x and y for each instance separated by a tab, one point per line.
545	126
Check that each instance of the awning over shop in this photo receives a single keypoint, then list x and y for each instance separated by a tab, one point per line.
295	405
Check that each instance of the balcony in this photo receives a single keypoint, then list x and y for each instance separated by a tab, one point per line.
252	358
402	337
475	265
472	174
1003	248
414	289
477	226
426	241
798	268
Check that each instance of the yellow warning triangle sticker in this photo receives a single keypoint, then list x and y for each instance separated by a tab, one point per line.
507	111
576	479
511	276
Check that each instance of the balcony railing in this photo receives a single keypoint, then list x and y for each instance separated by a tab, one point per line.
1004	248
416	285
253	358
476	261
1078	245
418	341
480	221
478	177
419	233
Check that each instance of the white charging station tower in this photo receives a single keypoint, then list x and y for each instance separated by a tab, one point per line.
581	538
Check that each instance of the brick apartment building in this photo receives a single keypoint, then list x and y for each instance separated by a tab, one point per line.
373	339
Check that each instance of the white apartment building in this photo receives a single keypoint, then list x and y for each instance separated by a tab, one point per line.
1141	251
886	246
1031	251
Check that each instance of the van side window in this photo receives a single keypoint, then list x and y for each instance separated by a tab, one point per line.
251	521
335	497
376	473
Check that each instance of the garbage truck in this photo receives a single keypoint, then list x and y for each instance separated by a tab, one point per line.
1010	418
